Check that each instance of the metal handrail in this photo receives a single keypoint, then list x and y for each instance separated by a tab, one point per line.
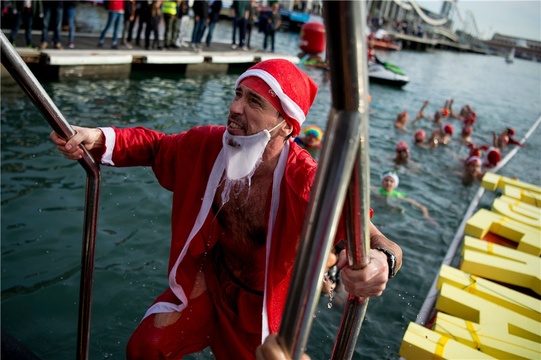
344	152
349	71
33	89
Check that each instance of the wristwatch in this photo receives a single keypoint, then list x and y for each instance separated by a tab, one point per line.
391	261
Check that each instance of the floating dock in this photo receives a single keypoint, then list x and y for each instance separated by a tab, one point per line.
88	61
490	306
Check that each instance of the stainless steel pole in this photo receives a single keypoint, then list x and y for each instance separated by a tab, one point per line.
340	154
348	53
33	89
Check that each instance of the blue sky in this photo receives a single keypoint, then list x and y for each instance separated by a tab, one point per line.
517	18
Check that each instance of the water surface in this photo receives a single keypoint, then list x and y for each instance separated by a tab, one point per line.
42	195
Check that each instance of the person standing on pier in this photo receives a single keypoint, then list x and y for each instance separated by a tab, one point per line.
52	10
115	10
170	9
69	9
215	6
274	21
155	17
129	20
200	12
142	15
240	197
253	14
24	12
183	15
239	12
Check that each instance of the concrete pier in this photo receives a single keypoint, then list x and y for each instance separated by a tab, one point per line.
89	61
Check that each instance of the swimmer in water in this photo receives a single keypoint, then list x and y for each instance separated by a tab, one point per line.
419	138
441	136
472	170
401	120
311	140
402	153
389	183
465	135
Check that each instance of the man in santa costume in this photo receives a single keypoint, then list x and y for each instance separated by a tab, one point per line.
240	194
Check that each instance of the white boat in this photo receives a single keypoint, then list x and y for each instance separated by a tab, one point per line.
386	73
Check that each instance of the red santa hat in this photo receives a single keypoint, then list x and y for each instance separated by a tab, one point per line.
493	156
447	129
285	86
475	159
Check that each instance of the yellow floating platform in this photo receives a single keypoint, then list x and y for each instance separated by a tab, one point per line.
491	291
502	264
420	343
478	316
485	221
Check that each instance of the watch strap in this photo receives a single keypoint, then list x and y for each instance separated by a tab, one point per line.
391	261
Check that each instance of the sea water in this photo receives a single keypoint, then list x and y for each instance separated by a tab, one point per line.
42	195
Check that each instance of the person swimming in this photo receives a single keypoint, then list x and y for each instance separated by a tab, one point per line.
402	153
311	140
472	170
389	183
441	136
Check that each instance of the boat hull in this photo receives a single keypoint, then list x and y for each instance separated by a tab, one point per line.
382	73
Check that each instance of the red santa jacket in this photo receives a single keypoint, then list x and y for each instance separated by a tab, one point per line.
182	164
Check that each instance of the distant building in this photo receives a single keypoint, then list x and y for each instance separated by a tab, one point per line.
524	48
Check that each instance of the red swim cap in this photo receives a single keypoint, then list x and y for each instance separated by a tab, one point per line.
493	156
420	135
447	129
475	152
401	146
511	131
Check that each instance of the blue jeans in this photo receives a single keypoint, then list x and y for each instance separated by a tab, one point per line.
25	17
269	33
239	23
198	31
115	19
59	11
71	23
212	24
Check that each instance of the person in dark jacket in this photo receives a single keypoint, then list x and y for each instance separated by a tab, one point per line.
201	12
214	16
24	12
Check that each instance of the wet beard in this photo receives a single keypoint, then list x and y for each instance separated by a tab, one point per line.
236	187
243	155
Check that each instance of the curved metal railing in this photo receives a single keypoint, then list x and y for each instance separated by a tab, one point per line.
33	89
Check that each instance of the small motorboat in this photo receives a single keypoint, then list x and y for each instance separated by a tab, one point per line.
386	73
385	44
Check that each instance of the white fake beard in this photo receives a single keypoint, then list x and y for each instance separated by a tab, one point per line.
243	155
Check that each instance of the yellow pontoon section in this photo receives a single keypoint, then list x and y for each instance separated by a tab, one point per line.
489	308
